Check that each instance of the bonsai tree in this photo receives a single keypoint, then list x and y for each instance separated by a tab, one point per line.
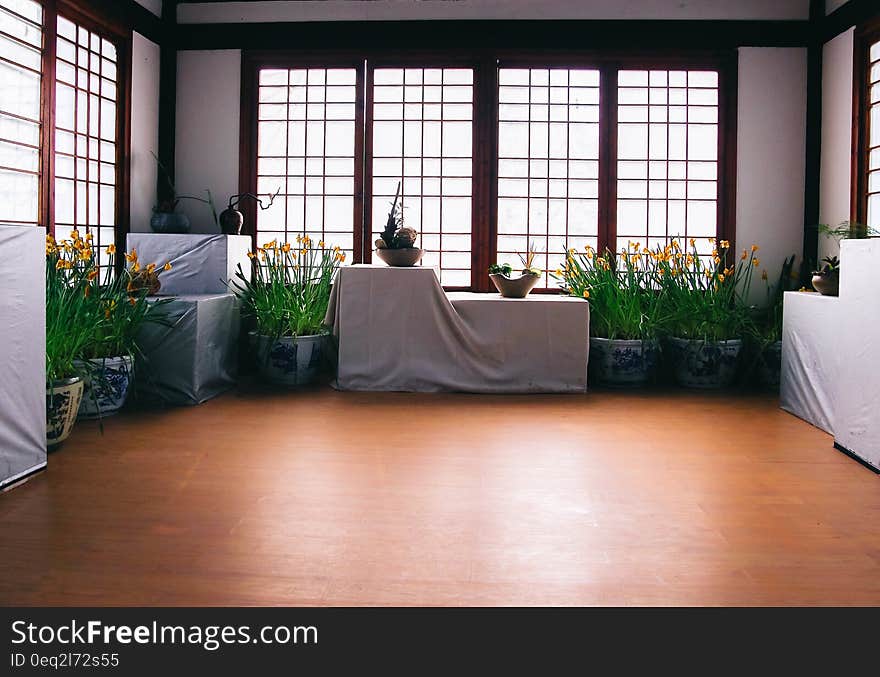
395	235
528	261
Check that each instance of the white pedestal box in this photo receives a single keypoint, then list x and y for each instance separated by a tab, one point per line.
22	352
810	357
200	264
193	355
857	340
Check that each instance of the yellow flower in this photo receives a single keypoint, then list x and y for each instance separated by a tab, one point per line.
721	277
756	262
675	245
744	256
321	244
340	256
92	275
590	254
285	247
111	249
755	248
558	272
764	275
132	256
306	240
586	293
251	255
716	260
303	251
693	242
136	267
150	268
74	234
725	244
167	266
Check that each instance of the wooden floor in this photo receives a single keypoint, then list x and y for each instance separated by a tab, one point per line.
328	498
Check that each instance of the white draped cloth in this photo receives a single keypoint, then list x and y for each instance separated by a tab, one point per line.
397	330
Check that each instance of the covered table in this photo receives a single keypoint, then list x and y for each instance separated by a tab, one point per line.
193	355
396	329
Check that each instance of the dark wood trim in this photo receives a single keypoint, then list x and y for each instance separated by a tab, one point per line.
607	234
727	136
812	166
484	245
494	34
167	101
361	237
247	155
47	118
120	17
849	14
865	35
366	164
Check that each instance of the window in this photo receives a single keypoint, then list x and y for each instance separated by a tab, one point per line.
548	164
422	124
21	48
866	182
667	156
85	134
492	155
63	166
306	148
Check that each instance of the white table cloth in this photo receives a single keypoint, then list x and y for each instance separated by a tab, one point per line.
396	329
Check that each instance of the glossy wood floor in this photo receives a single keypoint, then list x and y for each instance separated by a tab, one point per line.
330	498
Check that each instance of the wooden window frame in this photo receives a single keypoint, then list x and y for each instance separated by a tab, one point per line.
486	64
866	34
83	14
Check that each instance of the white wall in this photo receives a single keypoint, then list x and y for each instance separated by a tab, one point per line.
144	130
835	173
155	6
207	130
771	152
397	10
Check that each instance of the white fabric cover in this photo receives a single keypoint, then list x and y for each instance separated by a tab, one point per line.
194	359
200	264
810	357
22	351
856	337
398	330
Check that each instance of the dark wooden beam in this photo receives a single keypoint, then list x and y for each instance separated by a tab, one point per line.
846	16
124	15
812	166
548	34
167	101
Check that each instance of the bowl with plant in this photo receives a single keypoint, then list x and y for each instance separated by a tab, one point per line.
626	311
706	309
396	244
826	279
121	298
516	285
286	298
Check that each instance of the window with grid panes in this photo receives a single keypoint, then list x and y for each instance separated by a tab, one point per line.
21	48
871	135
422	123
667	156
306	149
86	144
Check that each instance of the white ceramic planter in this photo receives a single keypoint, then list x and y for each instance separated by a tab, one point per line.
106	385
622	363
704	364
62	404
290	361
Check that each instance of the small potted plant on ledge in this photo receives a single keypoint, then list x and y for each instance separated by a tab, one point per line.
705	305
768	325
108	359
286	298
826	280
516	287
396	245
625	311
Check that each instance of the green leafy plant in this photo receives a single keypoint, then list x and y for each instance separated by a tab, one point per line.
288	291
768	320
625	301
830	266
705	297
528	260
847	230
396	235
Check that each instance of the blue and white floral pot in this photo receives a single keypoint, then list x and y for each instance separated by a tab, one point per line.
704	364
62	403
290	360
622	363
107	380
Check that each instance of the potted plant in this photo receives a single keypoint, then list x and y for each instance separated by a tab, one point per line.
516	287
286	297
396	245
826	280
71	319
166	218
768	326
705	308
108	359
625	311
